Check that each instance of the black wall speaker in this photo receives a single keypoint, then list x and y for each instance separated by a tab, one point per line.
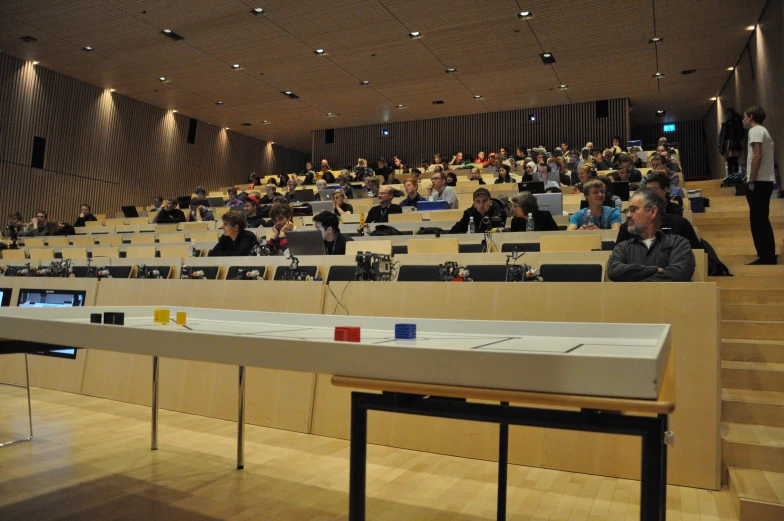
192	124
329	136
39	152
602	109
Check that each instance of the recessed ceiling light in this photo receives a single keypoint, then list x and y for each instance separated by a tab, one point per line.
531	118
563	86
751	27
236	66
226	128
88	49
162	79
658	75
547	57
713	98
167	31
365	82
655	39
524	15
450	71
400	106
171	34
35	62
730	68
330	115
219	103
477	96
111	90
174	111
319	52
29	39
257	11
660	112
265	122
414	35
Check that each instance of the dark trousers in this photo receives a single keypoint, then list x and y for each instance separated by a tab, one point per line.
759	210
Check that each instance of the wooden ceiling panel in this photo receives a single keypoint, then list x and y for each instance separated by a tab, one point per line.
601	49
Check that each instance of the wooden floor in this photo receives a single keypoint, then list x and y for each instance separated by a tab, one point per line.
91	460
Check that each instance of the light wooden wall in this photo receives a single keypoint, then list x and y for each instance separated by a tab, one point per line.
692	145
694	460
413	141
110	150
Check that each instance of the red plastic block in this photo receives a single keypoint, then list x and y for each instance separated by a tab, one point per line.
347	334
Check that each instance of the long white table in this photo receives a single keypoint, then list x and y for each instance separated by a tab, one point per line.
593	367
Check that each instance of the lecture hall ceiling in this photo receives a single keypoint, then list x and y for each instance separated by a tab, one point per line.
601	48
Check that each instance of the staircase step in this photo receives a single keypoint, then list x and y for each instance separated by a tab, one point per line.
757	495
744	350
752	296
768	312
752	330
757	447
752	407
758	376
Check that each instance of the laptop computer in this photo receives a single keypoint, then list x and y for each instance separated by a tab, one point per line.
552	203
321	206
130	211
535	187
305	242
360	193
216	202
326	195
621	189
424	206
304	195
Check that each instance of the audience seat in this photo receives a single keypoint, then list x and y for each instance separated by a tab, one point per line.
509	247
41	254
13	254
34	241
383	247
110	240
341	273
73	253
171	237
572	272
142	238
94	224
114	222
82	240
194	226
112	252
179	250
418	273
209	236
57	240
405	217
166	228
140	252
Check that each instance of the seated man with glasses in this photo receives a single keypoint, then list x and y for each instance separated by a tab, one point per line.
439	191
41	227
651	255
597	216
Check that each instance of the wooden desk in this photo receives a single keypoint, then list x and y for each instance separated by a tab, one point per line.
645	418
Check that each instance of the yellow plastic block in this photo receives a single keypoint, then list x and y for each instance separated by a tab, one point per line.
181	317
161	316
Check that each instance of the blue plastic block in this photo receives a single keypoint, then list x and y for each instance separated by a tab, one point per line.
405	331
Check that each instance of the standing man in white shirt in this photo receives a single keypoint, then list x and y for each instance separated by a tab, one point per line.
760	177
439	191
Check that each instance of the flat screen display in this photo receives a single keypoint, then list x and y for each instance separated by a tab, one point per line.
52	298
5	297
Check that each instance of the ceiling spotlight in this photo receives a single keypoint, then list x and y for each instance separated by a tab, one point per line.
226	128
415	35
35	62
660	113
658	75
171	34
257	11
400	106
88	49
167	31
162	79
330	115
236	66
219	103
450	71
547	57
563	86
532	118
524	15
751	27
174	111
111	90
319	52
477	96
730	68
265	122
713	98
655	39
365	82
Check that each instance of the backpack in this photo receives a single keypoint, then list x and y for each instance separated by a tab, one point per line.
716	268
383	229
430	230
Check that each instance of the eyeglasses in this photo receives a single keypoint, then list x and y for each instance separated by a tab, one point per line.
40	217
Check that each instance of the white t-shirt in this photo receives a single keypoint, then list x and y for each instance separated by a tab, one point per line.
648	242
760	134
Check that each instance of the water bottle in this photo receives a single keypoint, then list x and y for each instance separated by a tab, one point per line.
529	225
471	225
588	219
193	248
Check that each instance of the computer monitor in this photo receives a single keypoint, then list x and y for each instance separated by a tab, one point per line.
130	212
552	203
305	195
48	298
5	297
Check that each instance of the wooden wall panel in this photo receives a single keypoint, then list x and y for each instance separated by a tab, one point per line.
691	138
108	149
413	141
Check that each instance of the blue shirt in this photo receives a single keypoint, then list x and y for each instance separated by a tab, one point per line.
609	217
